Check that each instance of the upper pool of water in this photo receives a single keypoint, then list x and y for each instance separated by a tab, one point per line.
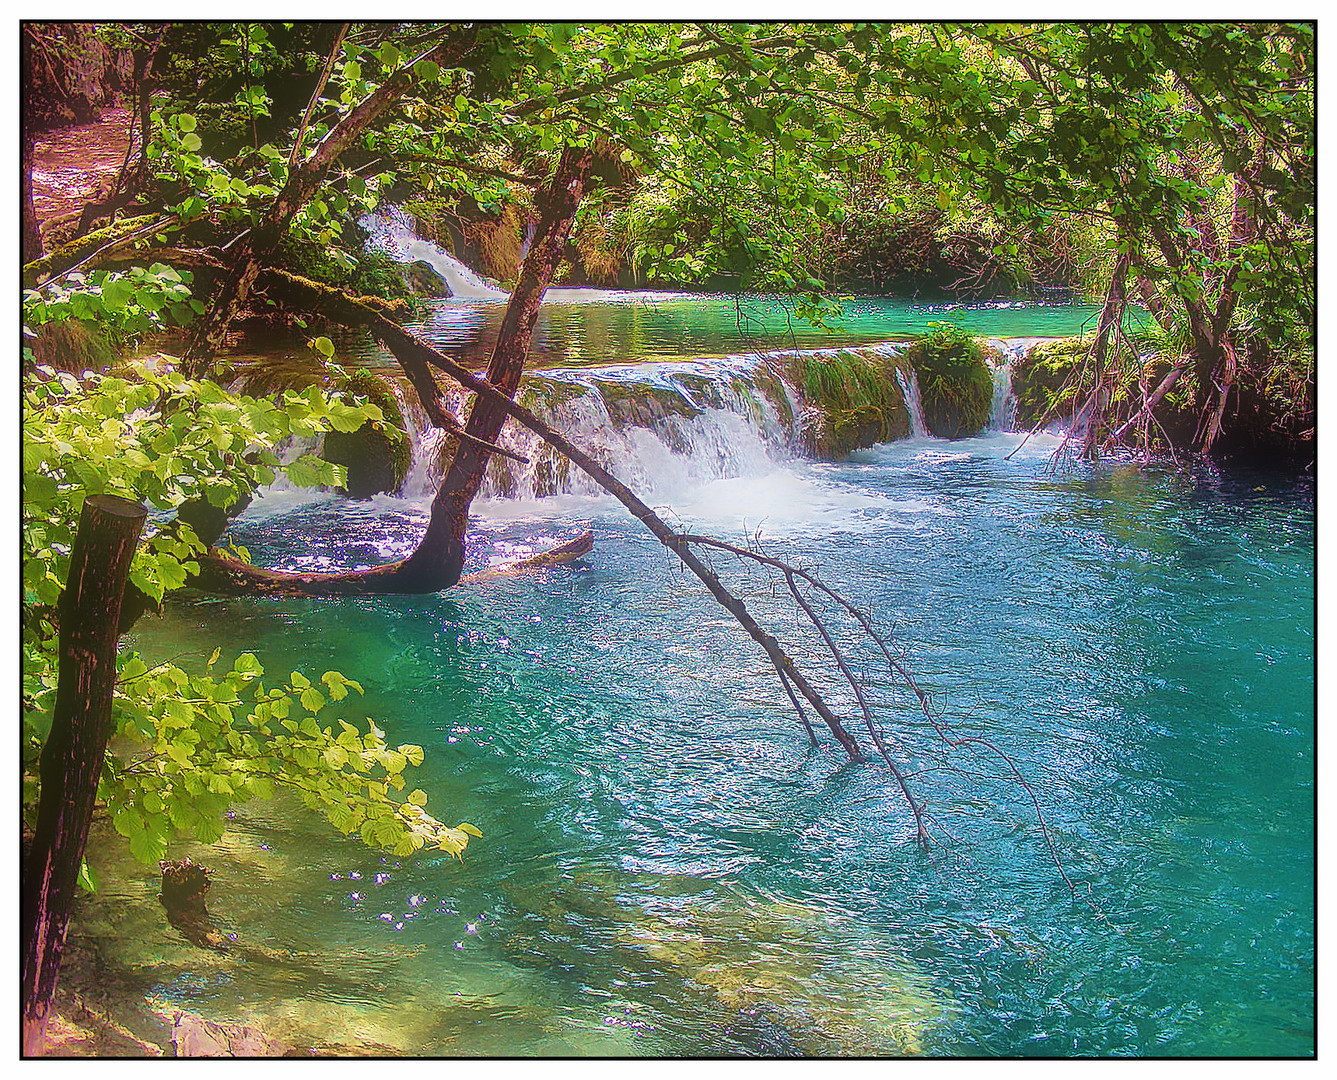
623	327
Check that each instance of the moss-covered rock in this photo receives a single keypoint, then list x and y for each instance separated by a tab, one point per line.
1049	380
423	279
377	455
955	386
1042	380
852	399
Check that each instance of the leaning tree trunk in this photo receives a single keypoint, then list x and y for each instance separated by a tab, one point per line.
256	249
73	755
440	555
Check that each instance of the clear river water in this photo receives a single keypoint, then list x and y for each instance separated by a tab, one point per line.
667	866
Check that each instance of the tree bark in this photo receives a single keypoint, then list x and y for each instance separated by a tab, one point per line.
1150	402
440	555
30	236
1116	299
73	755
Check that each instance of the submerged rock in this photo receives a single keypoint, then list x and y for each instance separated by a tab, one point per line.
194	1036
816	982
831	992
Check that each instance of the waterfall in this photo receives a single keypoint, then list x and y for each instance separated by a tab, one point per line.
910	388
1003	408
664	429
391	231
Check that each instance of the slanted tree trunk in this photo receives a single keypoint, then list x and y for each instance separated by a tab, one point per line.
1091	415
440	555
74	752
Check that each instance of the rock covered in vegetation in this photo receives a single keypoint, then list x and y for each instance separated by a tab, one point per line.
955	386
1041	378
853	399
423	279
379	453
1048	381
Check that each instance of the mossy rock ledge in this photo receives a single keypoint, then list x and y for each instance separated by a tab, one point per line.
955	384
852	400
379	453
423	280
1039	379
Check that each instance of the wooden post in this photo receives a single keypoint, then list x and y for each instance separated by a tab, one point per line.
72	757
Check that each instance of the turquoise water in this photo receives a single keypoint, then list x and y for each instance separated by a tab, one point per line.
667	867
636	327
626	328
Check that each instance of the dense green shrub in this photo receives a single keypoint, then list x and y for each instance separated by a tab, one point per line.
955	386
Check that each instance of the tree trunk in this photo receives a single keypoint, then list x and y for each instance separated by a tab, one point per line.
30	235
1092	414
73	755
440	555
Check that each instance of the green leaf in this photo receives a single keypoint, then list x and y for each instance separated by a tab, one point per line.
149	846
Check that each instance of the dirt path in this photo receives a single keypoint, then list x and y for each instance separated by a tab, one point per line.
69	164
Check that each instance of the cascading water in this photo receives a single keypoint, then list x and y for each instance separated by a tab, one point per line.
391	231
910	388
662	428
1003	407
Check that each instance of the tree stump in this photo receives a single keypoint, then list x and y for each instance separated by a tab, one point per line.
184	884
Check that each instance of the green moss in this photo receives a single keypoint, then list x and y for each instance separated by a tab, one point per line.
1041	379
852	399
638	405
429	215
68	255
379	454
955	386
1049	379
423	279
